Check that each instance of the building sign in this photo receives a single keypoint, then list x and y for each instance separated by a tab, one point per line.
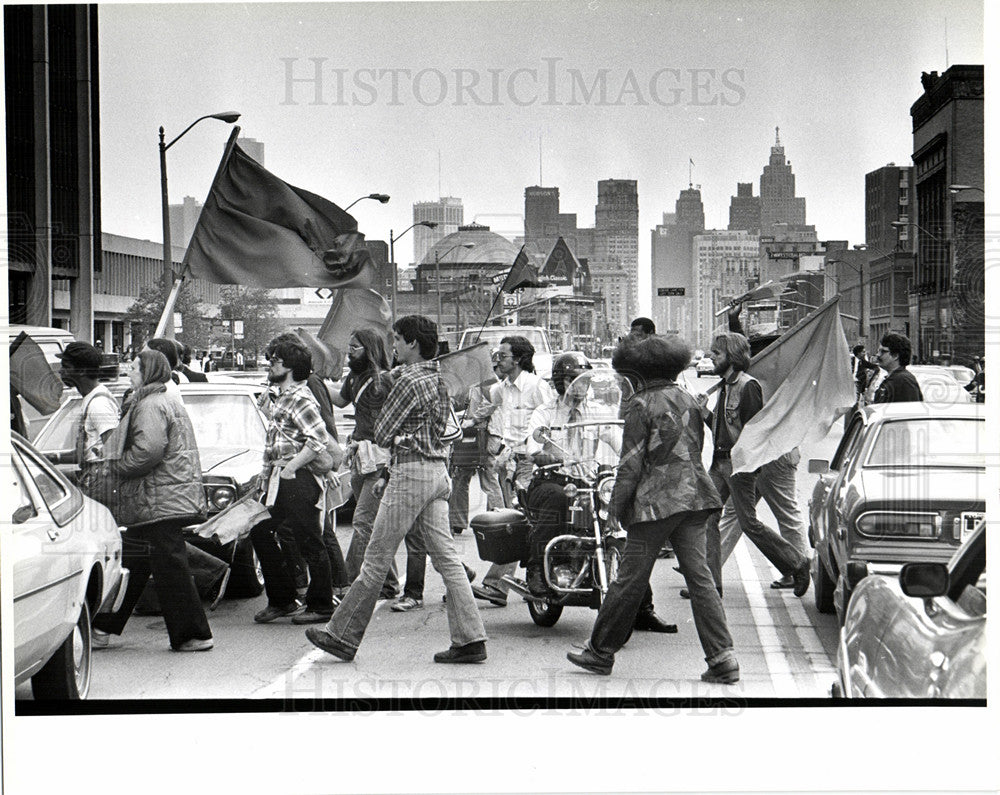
561	266
661	291
510	302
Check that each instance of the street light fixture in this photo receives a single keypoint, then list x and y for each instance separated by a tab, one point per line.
960	188
392	257
437	274
381	198
168	261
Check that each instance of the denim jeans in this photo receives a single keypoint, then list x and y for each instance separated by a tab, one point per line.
776	484
458	505
365	510
417	498
686	532
520	474
742	487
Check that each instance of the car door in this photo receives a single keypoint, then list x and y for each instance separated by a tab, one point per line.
830	484
46	574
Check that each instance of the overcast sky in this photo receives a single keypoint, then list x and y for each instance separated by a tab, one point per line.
628	90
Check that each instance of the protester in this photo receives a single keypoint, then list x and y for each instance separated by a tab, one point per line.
171	350
640	328
161	492
81	364
412	422
740	398
366	386
185	366
661	491
519	392
295	436
977	386
900	385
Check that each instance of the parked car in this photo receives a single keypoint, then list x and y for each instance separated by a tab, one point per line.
906	483
536	335
937	384
230	430
704	366
66	555
921	634
960	373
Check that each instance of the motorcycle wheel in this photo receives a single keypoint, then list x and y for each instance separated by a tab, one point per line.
543	614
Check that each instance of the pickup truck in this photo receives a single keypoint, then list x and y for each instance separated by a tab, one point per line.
536	335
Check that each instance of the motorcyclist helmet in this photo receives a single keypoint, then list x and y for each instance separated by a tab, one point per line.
566	367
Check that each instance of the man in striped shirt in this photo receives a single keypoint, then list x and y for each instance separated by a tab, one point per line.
411	422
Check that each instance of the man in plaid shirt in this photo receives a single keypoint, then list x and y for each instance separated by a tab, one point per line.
412	422
295	435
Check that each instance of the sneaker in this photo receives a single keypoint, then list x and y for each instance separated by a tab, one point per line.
271	612
195	644
469	653
725	672
99	639
407	603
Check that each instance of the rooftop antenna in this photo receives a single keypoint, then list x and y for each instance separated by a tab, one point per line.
540	160
439	174
946	62
690	177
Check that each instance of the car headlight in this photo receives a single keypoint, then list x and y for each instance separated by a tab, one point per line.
885	524
220	497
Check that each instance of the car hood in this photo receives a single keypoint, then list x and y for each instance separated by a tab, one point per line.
926	486
240	464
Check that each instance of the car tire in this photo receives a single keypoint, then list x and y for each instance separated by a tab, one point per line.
66	676
247	579
822	587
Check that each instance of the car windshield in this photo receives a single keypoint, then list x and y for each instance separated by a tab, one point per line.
928	442
221	421
494	335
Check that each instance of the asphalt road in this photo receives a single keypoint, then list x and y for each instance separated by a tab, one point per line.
785	648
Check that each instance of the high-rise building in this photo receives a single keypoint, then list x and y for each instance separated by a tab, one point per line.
544	225
672	264
778	202
183	219
616	243
447	212
744	209
252	147
888	259
948	298
726	265
53	164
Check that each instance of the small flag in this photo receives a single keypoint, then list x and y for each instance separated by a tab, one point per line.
463	369
352	308
805	377
259	231
32	376
521	274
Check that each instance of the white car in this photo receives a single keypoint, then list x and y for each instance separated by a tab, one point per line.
937	384
705	366
67	552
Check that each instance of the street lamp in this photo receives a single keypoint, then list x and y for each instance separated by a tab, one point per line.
381	198
437	274
960	188
392	257
168	261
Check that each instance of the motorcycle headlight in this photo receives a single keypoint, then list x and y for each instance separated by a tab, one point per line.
220	497
604	489
570	490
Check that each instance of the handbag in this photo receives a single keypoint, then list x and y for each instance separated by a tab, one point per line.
234	521
99	482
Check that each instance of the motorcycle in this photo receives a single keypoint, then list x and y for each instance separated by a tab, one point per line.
580	563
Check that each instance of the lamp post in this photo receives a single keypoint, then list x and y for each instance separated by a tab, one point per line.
168	261
437	274
960	188
392	258
381	198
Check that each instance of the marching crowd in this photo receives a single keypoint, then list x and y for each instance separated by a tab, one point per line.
410	485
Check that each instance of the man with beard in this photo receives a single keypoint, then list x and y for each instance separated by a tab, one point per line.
900	385
295	436
367	387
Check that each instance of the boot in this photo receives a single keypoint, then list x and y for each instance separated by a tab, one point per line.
536	580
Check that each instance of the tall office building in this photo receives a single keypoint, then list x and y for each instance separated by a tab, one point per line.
183	219
778	202
252	147
744	209
446	212
726	265
544	225
672	264
616	242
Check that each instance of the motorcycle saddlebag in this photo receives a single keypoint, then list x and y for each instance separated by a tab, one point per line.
501	536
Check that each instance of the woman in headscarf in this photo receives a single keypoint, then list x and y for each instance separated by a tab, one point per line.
155	455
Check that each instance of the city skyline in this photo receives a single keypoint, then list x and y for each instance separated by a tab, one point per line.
660	86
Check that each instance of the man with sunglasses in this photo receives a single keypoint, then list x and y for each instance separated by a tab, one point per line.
900	385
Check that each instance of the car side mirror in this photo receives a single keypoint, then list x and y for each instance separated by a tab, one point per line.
23	514
924	580
818	466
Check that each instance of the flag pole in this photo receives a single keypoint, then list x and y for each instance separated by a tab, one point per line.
168	307
497	298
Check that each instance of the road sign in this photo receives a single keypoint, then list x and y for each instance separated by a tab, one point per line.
669	291
238	329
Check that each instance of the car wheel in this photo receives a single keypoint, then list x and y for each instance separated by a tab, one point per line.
66	676
822	587
246	579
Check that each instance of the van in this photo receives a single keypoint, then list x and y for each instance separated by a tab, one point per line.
52	341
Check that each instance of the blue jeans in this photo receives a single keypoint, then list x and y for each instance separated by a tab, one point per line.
686	532
776	484
417	498
365	510
742	487
458	505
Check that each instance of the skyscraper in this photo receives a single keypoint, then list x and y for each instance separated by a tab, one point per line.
744	209
672	264
447	212
183	219
778	202
616	243
252	147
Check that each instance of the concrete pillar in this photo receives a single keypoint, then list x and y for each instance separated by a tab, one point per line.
81	289
39	298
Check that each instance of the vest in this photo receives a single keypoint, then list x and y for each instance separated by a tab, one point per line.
731	414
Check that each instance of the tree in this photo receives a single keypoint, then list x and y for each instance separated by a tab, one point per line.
258	310
144	313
